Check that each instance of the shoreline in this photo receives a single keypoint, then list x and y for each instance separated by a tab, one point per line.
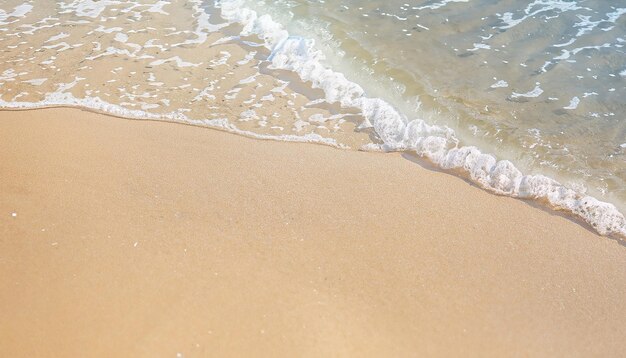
145	237
537	203
435	142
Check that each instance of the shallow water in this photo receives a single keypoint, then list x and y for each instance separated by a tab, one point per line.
539	84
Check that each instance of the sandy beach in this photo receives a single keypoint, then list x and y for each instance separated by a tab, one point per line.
150	239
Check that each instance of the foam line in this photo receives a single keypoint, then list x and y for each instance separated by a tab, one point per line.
64	99
436	143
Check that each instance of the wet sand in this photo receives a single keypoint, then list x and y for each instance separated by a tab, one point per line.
137	238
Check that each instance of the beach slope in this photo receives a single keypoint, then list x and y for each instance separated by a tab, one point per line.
136	238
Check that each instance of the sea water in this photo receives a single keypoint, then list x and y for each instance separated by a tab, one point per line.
525	98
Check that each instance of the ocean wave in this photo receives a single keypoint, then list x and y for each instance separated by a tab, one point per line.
399	133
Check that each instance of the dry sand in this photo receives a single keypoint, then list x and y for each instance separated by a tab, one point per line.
136	238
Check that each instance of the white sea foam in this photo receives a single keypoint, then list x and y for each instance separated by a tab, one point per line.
573	103
203	25
107	30
438	144
18	11
62	98
158	7
535	8
500	84
121	37
36	81
179	62
61	46
479	46
62	35
88	8
535	92
438	5
585	25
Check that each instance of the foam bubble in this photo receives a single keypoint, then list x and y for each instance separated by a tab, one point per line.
535	92
573	103
500	84
19	11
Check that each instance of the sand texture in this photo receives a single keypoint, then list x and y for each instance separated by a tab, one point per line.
146	239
